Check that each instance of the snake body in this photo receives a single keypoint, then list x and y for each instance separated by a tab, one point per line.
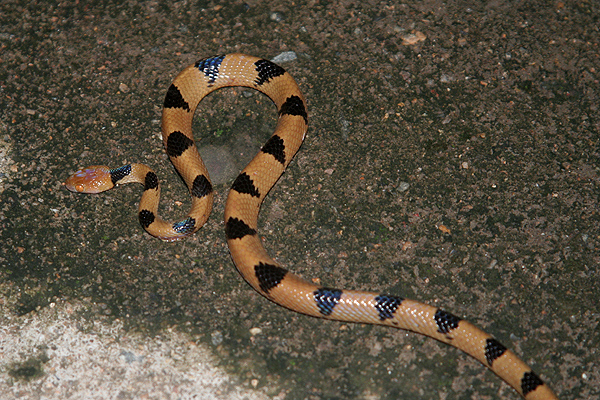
243	204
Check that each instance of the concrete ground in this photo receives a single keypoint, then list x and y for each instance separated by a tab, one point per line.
452	157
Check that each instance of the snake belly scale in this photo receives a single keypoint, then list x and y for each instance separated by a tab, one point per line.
249	189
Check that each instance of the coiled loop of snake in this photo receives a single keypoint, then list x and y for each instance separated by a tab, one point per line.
243	204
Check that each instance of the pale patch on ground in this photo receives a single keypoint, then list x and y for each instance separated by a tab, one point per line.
5	161
57	354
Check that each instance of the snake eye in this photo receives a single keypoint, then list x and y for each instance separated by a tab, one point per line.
79	188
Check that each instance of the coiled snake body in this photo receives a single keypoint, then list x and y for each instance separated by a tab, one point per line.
243	203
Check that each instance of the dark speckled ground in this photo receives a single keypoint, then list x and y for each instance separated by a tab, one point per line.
492	120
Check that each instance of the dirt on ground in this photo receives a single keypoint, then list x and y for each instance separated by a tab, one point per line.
452	157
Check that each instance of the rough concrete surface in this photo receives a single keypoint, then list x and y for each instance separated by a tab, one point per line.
452	157
70	357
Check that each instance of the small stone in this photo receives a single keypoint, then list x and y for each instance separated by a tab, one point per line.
277	16
413	38
255	331
286	56
216	338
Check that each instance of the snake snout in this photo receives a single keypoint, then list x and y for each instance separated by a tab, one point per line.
94	179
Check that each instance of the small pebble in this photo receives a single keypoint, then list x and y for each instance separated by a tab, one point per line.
284	57
277	16
255	331
413	38
216	338
445	229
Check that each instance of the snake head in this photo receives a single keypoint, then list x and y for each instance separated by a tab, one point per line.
94	179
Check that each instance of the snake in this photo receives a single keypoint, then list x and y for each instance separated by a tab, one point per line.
244	200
